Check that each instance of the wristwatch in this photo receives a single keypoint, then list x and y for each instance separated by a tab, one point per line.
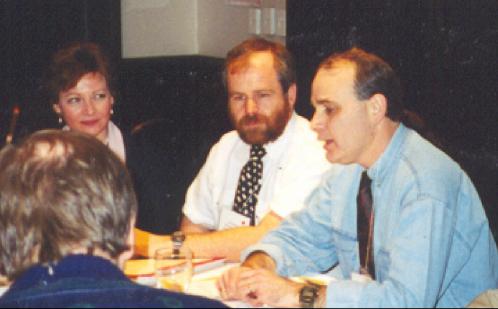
308	295
178	238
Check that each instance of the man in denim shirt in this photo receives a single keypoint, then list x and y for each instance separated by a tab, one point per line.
432	245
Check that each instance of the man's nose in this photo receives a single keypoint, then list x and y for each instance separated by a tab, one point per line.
251	107
315	122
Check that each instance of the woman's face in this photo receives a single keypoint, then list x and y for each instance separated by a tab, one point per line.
87	106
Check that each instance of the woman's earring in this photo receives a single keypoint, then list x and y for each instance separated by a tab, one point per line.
60	120
112	111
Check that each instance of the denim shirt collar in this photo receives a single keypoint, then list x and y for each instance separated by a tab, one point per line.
85	266
381	167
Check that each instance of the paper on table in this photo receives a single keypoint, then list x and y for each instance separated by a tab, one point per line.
145	267
205	285
3	289
4	285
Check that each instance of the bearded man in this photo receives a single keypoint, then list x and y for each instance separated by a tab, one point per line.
259	173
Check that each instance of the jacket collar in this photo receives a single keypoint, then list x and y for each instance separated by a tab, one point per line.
81	266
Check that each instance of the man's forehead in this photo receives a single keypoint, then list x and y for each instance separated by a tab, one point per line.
332	82
344	69
254	60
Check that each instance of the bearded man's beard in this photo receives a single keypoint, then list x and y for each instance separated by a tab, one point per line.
259	129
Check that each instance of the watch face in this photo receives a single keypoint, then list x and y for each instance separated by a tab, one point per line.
308	295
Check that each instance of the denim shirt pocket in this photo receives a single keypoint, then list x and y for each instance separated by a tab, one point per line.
347	253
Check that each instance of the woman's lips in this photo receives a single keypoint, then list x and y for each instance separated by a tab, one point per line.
90	123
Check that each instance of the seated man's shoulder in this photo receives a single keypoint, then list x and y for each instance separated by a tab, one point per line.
304	132
229	137
226	141
83	292
305	146
429	170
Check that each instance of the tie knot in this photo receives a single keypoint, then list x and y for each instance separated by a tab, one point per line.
257	152
365	180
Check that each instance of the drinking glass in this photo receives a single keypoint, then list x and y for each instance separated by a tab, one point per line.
173	268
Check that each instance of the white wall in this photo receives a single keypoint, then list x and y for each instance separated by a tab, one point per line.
221	26
185	27
158	27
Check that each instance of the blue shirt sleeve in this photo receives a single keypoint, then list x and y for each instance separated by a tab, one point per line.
303	242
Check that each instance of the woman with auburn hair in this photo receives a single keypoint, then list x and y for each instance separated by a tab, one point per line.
78	85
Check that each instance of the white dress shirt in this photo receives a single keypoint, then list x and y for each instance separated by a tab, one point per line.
115	141
292	168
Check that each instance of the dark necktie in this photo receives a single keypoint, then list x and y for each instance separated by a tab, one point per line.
365	226
249	185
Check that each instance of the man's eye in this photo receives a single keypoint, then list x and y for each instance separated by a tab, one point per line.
264	95
329	110
238	98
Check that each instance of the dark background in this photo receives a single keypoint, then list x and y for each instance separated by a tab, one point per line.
445	52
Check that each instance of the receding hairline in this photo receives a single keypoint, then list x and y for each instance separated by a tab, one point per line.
341	66
337	64
248	60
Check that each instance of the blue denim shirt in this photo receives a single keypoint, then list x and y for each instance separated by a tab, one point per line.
432	242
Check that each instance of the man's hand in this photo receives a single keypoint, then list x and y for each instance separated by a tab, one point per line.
228	283
258	287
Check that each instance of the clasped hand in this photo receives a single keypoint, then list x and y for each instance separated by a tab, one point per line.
258	287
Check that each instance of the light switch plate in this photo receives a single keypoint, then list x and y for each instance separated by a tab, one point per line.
255	21
281	28
269	21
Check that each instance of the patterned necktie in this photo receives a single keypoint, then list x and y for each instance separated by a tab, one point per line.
365	226
249	185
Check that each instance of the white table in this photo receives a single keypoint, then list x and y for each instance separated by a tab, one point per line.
203	281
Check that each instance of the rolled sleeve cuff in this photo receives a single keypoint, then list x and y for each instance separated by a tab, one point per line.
273	251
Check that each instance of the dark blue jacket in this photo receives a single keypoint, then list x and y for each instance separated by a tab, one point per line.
88	281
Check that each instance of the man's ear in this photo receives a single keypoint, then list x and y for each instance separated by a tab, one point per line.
292	95
128	254
377	107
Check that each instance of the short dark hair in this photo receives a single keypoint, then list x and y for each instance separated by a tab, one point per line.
61	190
283	60
70	64
373	75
